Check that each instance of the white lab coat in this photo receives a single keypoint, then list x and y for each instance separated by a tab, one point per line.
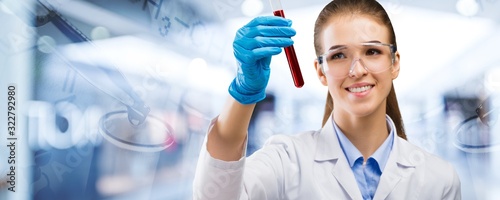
312	166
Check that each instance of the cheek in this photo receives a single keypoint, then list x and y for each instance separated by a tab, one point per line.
385	82
331	82
334	85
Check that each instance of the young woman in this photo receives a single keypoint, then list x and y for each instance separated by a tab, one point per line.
360	152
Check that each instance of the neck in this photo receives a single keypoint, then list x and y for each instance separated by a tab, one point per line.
366	133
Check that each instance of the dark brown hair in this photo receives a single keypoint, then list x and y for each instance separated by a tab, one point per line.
374	10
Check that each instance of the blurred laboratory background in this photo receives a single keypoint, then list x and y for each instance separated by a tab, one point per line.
114	97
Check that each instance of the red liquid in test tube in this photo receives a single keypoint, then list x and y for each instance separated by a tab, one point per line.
290	53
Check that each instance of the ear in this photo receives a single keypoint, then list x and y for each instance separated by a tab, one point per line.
319	72
396	66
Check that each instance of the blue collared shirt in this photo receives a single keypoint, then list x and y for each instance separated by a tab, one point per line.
367	174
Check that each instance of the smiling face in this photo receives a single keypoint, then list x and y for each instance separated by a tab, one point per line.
361	93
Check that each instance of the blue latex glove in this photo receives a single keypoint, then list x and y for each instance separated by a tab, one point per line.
253	46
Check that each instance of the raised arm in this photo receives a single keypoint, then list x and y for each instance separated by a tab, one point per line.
253	46
220	172
227	137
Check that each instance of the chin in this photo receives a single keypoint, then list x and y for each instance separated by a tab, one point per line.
361	112
365	109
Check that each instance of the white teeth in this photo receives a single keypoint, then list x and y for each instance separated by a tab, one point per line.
360	89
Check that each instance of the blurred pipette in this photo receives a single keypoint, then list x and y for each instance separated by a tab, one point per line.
108	79
289	51
143	132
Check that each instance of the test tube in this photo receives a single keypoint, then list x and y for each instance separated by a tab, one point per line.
289	51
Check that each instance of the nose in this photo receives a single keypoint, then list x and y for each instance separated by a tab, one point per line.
357	69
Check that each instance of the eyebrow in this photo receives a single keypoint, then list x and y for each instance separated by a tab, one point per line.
372	41
341	46
336	47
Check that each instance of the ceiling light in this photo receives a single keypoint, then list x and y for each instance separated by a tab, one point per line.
99	33
467	8
251	8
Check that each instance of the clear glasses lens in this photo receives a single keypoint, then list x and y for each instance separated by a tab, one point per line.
375	58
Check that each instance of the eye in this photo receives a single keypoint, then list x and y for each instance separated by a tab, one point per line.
371	52
337	56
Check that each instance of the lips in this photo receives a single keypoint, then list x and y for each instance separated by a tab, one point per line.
359	87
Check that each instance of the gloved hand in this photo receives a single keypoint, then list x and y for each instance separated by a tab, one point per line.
253	46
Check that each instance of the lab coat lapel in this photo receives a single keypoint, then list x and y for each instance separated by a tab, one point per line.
345	177
397	165
328	148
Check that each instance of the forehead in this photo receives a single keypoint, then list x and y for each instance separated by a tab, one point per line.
353	29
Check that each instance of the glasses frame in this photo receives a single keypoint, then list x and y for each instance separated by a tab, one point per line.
392	49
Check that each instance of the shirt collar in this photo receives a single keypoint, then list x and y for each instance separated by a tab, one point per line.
352	153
